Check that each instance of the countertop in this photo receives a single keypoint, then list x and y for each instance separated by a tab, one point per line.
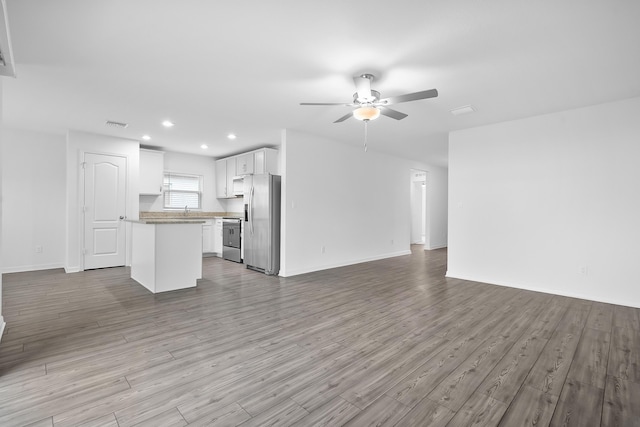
185	220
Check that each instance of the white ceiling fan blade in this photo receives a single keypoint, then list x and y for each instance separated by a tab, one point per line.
431	93
326	103
343	118
385	111
363	88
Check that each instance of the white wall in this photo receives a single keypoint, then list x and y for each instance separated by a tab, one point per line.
2	322
77	144
188	164
550	203
354	204
437	208
33	181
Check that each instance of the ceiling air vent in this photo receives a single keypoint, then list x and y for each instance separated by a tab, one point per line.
467	109
116	124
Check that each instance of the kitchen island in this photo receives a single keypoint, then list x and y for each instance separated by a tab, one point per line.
166	254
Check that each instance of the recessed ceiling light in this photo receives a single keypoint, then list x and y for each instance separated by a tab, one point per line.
232	136
167	124
146	137
204	146
462	110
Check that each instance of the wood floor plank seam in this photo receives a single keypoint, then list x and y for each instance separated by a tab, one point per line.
524	332
571	363
331	346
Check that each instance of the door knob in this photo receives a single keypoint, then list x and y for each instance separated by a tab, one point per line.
122	217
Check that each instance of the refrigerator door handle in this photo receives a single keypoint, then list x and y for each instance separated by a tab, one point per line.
251	210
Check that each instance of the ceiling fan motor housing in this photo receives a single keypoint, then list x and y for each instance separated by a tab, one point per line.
375	97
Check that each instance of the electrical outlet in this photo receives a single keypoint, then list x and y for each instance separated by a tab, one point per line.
392	241
322	249
38	249
584	270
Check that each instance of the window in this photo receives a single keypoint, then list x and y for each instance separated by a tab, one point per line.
182	190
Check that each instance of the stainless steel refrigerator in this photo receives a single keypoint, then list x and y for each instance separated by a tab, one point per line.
261	237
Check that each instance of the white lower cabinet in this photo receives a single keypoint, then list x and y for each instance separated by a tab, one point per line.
166	257
207	237
217	236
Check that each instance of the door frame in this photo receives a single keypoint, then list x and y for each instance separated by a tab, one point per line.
80	199
425	204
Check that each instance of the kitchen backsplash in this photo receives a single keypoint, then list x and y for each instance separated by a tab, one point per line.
233	205
155	204
191	214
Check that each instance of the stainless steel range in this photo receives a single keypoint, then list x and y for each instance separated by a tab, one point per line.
231	239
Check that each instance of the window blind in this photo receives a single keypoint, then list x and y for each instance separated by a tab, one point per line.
182	190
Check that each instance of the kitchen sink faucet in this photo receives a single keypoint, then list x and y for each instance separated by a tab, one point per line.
186	210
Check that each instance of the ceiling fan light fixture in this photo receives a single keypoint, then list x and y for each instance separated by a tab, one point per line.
366	113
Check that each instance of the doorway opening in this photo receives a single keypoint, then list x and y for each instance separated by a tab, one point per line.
419	217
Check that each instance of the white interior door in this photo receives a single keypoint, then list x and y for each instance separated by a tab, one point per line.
104	210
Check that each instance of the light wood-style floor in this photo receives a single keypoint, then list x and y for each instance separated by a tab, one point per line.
390	342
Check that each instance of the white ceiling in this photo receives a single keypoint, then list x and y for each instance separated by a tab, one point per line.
215	67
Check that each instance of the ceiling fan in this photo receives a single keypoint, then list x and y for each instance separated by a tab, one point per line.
368	102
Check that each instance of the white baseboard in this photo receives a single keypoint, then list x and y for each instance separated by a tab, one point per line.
606	300
22	268
432	248
2	326
72	269
296	272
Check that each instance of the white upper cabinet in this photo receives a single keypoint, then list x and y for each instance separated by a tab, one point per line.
264	160
221	178
225	172
151	172
231	173
244	164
